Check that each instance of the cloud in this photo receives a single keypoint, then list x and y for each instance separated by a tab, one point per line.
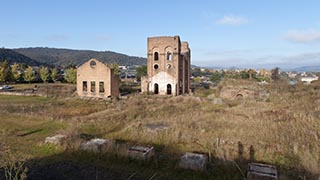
303	36
232	20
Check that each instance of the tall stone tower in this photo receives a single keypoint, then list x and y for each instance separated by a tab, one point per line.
168	66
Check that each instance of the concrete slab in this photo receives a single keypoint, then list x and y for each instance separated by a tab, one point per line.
55	140
141	152
258	171
97	145
194	161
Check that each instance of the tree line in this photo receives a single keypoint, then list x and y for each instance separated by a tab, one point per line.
21	73
217	76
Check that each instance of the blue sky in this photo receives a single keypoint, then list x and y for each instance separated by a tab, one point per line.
241	33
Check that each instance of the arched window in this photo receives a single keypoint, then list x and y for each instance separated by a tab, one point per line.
169	56
156	88
156	56
169	91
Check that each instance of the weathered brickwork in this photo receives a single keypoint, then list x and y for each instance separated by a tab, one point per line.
96	79
168	66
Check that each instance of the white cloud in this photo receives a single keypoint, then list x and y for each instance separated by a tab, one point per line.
232	20
303	36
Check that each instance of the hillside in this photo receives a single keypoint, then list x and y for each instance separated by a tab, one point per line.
15	57
65	57
308	69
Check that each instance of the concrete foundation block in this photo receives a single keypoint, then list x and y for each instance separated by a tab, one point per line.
194	161
97	145
258	171
141	152
56	140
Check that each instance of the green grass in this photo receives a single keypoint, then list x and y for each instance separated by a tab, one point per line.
5	99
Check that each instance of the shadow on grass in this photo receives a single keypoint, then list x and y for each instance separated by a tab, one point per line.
83	165
30	132
75	165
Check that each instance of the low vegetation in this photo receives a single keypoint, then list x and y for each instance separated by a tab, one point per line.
282	129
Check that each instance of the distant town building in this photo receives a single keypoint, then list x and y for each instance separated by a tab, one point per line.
308	80
168	66
292	74
96	79
122	67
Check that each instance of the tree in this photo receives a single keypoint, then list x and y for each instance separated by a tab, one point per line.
1	74
16	72
5	72
141	71
196	72
115	67
196	79
252	74
29	75
44	74
23	66
244	74
71	75
216	77
275	74
231	74
54	74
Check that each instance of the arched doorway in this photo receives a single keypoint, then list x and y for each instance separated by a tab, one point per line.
156	88
169	91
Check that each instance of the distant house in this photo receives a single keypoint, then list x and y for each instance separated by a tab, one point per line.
308	80
96	79
122	67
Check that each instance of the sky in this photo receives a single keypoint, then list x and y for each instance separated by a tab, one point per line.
220	33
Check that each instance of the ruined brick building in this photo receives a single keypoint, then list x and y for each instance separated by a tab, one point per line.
96	79
168	66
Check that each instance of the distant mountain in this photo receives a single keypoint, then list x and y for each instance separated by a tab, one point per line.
65	57
15	57
214	67
308	69
221	68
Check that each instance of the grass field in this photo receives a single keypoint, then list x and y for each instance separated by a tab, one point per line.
283	130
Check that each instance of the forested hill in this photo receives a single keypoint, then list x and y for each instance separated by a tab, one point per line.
65	57
15	57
